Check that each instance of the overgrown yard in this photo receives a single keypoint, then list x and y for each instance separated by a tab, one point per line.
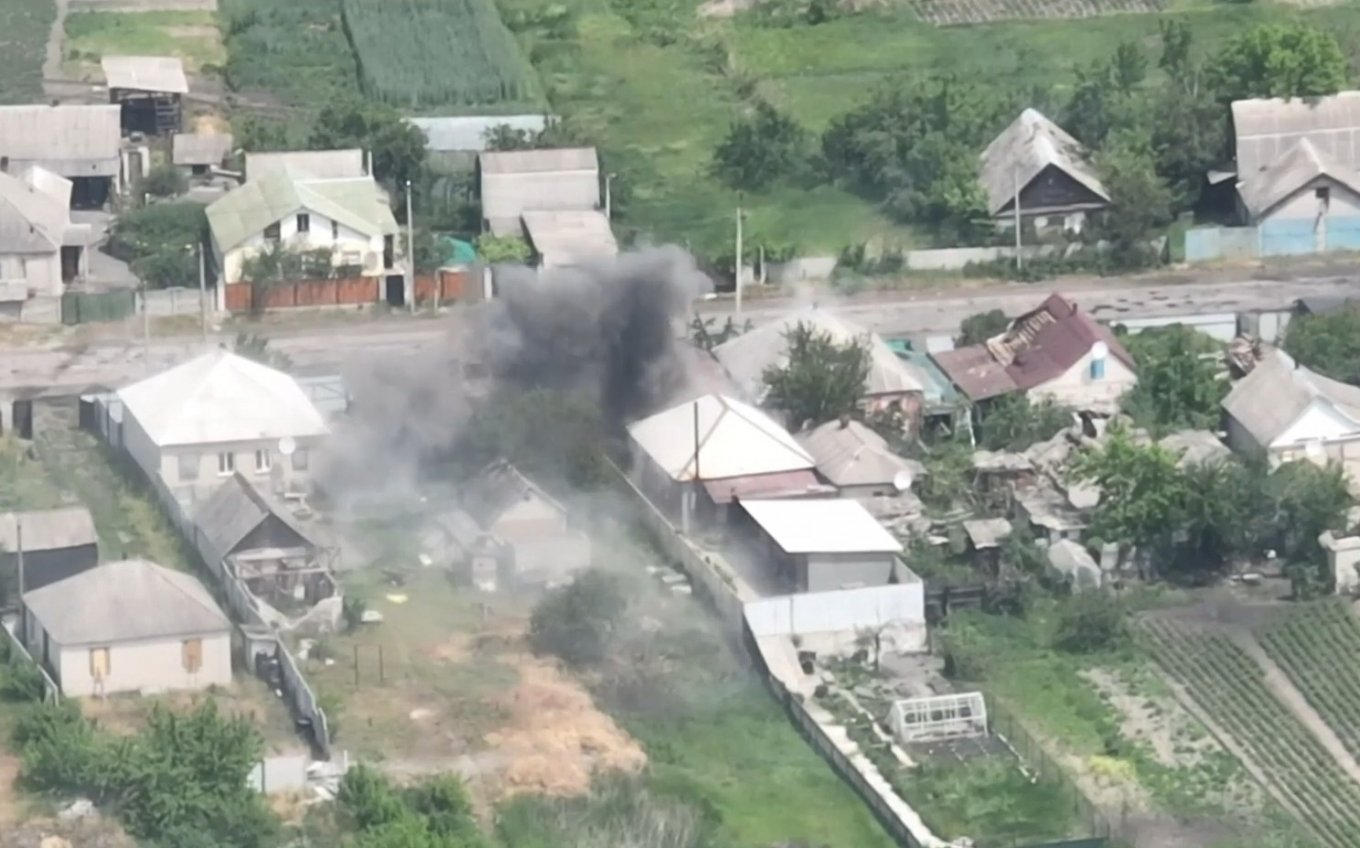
192	36
24	26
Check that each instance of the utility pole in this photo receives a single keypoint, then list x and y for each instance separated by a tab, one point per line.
738	262
203	290
410	249
19	555
146	330
1015	179
608	197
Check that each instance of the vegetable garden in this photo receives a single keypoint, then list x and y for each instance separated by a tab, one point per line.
23	40
1316	645
957	12
1229	686
438	53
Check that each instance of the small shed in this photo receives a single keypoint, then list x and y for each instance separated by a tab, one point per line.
512	510
1050	513
149	91
57	543
822	545
1070	563
567	238
200	152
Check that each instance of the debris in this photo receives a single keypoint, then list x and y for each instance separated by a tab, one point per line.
425	560
420	714
683	589
397	598
371	617
79	809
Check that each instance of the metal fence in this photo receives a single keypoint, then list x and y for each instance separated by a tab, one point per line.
83	307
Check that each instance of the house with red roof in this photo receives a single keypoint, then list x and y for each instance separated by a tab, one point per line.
1055	352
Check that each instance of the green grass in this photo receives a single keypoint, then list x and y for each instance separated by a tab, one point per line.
296	52
24	484
990	800
192	36
24	26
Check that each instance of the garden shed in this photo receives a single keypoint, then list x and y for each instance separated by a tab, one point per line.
148	89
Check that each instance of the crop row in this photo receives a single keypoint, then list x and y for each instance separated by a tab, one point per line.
438	53
1317	647
952	12
1229	687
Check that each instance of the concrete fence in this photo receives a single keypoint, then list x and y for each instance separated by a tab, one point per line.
1285	237
176	301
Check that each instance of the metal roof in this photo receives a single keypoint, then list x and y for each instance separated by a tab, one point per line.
850	454
734	440
517	181
233	510
821	525
220	398
125	601
785	484
987	533
1299	165
34	212
747	357
1271	398
570	238
145	73
200	149
543	161
70	140
1265	129
1195	447
1023	150
308	164
358	203
468	133
48	529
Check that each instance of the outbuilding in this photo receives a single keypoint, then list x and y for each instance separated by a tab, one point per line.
130	626
57	543
148	90
822	544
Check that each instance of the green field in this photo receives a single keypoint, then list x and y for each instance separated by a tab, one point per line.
24	26
192	36
296	52
1314	644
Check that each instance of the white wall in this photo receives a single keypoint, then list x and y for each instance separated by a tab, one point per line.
1075	387
838	616
205	459
368	250
41	272
1303	203
139	445
1319	422
827	571
146	666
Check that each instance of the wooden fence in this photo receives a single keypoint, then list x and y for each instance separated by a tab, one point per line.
448	284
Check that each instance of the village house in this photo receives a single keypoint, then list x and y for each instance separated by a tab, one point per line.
1284	412
533	525
57	543
551	199
282	210
345	164
821	544
200	153
80	143
892	381
148	90
130	626
452	143
1057	352
694	459
858	461
1298	172
566	238
40	248
193	426
1037	163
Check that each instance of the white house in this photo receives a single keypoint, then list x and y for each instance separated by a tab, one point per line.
822	545
283	209
40	249
196	424
130	626
82	143
1285	412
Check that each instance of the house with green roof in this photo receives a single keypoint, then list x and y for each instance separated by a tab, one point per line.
290	209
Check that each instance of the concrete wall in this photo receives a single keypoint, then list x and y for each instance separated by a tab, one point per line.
351	247
1076	387
827	572
146	667
176	301
41	272
899	610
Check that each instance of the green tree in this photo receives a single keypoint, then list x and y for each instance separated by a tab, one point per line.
576	622
1014	422
1303	500
1180	380
397	146
1142	491
160	242
498	250
822	379
1218	516
978	328
1088	623
1278	60
1141	200
165	181
760	149
256	347
1328	343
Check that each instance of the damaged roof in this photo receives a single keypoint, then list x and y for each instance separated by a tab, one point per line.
848	453
496	488
1268	401
235	508
1024	150
734	439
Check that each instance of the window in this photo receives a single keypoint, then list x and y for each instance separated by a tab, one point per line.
1097	369
1323	193
335	230
261	461
191	651
99	664
271	232
304	222
226	464
300	459
188	466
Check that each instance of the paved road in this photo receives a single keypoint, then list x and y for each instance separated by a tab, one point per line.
319	349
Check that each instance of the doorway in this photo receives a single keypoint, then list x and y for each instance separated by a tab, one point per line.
22	418
396	290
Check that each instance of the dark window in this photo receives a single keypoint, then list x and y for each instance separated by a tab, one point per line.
271	232
304	222
1324	193
335	230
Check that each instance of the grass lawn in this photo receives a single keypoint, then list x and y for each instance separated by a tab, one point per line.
192	36
24	26
23	482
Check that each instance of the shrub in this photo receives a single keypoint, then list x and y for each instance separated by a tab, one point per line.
1089	623
165	181
575	622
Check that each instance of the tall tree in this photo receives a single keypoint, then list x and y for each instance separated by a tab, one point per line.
1142	492
1278	60
1014	422
1140	199
398	147
1328	343
822	379
1180	383
760	149
978	328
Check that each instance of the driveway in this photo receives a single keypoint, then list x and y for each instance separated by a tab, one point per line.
106	273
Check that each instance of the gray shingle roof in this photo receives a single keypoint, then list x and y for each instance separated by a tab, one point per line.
66	138
145	73
1023	150
125	601
468	133
1271	398
48	529
851	454
356	203
1298	166
233	510
1266	129
496	488
518	181
197	149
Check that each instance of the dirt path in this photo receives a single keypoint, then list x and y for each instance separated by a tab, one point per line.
56	48
1284	691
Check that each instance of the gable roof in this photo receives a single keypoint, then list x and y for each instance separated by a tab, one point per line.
69	133
1023	150
513	182
570	237
1038	347
48	529
200	149
821	525
125	601
543	161
1266	128
851	454
235	508
747	356
308	164
220	398
358	204
734	440
1299	165
1271	398
32	220
468	133
496	488
145	73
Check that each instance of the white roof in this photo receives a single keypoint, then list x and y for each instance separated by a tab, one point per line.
145	73
469	132
570	237
823	526
1023	150
71	140
218	398
1265	129
735	440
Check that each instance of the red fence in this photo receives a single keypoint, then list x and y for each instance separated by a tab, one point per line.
451	285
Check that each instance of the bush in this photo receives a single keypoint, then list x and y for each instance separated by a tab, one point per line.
21	680
1089	623
575	622
165	181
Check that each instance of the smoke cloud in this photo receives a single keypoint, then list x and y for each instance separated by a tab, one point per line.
607	330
